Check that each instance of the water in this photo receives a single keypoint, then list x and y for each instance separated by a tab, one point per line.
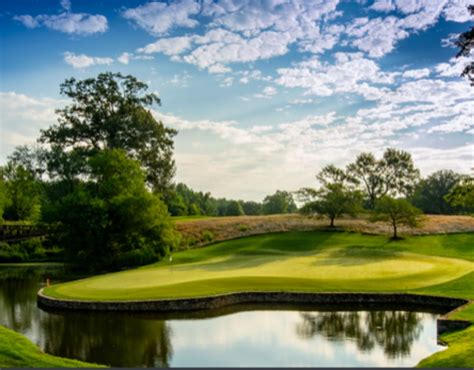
233	336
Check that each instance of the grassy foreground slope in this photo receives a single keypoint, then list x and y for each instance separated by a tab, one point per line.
295	261
18	351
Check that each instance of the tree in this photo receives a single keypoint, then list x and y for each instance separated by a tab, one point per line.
280	202
465	43
111	220
396	212
109	112
234	208
430	193
394	174
462	194
335	197
252	208
22	194
332	200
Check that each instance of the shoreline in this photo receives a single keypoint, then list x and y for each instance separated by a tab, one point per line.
180	305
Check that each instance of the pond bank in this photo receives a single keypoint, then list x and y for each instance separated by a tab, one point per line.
444	324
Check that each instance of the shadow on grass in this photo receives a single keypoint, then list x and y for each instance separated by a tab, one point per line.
357	255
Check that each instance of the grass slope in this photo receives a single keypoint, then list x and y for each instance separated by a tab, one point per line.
307	261
18	351
296	261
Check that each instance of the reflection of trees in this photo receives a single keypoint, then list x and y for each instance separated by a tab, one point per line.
394	331
114	339
111	339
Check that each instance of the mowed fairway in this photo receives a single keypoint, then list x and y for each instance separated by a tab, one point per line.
295	261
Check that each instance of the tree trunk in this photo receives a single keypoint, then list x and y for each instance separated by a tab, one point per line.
394	230
332	222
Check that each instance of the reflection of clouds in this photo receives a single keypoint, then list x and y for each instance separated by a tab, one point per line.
269	338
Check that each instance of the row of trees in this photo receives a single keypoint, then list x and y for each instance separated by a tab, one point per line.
389	188
183	201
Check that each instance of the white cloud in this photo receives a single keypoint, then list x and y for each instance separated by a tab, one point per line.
349	74
247	31
157	18
416	73
22	118
383	5
84	61
124	58
378	36
67	22
168	46
267	93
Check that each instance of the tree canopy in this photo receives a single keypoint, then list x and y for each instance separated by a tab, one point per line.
111	220
394	174
110	111
334	198
465	43
396	212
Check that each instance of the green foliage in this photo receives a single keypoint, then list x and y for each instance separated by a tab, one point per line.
393	174
465	43
462	194
207	236
252	208
26	251
112	220
333	201
396	212
22	193
234	208
109	111
430	193
243	227
280	202
334	198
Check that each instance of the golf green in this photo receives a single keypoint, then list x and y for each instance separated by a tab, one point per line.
296	261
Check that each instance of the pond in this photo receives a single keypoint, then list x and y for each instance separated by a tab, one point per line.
247	335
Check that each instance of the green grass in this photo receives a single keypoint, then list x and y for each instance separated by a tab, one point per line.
296	261
18	351
306	262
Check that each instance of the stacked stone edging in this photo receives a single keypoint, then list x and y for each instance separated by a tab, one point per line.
444	324
217	301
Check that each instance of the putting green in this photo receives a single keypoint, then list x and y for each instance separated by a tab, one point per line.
297	261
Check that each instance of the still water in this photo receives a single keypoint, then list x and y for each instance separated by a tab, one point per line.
233	336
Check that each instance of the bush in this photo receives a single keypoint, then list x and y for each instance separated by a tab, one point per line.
243	228
11	253
207	236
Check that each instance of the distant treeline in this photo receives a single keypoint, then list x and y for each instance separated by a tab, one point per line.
183	201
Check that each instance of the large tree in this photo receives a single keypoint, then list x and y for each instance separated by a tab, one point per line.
112	220
394	174
430	193
279	202
110	111
334	198
465	43
462	194
396	212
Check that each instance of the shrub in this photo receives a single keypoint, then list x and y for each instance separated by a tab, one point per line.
207	236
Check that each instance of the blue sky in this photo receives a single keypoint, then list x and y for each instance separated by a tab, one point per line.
263	93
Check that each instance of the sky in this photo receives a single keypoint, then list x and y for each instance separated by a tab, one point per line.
264	93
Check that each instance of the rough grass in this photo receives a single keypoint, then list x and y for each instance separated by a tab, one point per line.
18	351
224	228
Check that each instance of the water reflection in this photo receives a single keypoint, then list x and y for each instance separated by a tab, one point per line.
394	331
250	335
